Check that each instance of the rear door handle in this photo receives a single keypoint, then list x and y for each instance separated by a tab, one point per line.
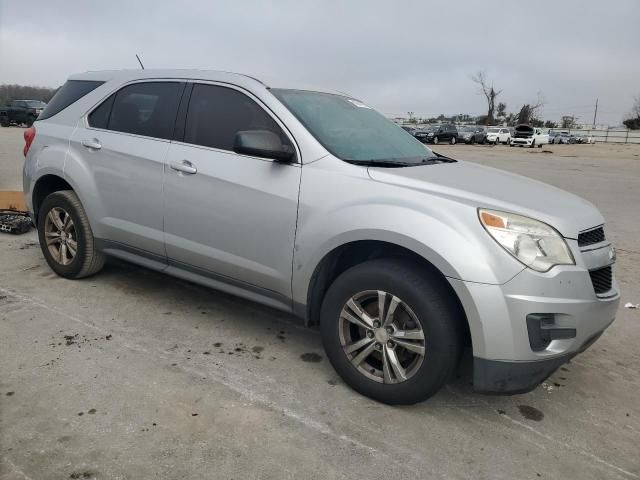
92	144
185	166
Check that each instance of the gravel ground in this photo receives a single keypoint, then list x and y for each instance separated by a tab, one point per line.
131	374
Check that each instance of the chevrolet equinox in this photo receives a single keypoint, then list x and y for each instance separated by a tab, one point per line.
312	202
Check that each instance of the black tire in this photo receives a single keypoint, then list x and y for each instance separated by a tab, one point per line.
437	311
88	260
473	140
533	144
4	121
30	120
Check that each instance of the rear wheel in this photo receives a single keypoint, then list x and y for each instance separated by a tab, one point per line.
391	331
30	120
4	121
66	238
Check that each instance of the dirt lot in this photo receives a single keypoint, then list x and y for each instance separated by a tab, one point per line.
132	374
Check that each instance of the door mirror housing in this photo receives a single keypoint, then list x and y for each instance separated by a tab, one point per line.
263	144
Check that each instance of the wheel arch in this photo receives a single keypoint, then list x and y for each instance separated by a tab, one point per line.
45	186
355	252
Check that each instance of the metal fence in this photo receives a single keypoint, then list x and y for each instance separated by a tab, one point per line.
612	135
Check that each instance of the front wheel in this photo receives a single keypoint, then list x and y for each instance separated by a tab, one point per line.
4	121
391	330
66	238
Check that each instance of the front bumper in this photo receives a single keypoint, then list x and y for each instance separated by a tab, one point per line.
507	358
494	376
522	141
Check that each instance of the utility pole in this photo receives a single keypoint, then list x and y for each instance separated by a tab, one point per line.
595	113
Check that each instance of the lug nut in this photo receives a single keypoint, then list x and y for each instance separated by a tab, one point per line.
378	346
390	344
376	324
389	330
369	334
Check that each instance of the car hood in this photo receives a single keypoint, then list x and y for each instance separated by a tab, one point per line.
485	187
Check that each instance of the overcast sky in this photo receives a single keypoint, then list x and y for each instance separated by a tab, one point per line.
397	56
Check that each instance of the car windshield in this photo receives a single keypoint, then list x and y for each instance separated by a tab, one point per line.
35	104
493	130
354	132
467	129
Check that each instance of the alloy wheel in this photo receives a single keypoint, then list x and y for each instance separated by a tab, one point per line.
60	235
381	336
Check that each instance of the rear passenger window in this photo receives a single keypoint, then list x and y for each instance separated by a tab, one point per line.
147	109
216	114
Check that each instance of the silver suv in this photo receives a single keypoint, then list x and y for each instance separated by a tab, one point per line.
313	203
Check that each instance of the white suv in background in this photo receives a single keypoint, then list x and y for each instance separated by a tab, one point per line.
498	135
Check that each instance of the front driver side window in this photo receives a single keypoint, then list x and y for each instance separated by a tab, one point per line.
216	114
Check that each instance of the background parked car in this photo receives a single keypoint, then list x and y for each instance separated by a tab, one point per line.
499	135
411	130
21	111
528	136
443	133
585	139
472	134
562	136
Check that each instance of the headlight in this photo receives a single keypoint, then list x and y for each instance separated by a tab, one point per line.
536	244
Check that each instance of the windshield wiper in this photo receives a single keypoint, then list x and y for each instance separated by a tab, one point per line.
381	163
439	159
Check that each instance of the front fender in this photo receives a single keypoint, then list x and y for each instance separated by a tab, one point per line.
444	232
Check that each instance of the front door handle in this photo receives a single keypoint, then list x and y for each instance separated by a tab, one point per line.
93	144
185	166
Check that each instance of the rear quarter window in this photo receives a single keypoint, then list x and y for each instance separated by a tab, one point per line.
69	93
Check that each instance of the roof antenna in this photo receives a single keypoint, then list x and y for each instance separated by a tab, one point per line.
140	62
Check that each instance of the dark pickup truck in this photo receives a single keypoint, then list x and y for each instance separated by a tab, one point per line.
21	111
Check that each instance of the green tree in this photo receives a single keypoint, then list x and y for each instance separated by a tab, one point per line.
568	121
632	122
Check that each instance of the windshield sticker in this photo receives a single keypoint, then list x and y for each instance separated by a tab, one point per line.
358	103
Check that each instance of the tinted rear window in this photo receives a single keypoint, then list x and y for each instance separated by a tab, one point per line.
148	109
69	93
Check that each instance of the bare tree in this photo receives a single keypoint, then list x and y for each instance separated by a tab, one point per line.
489	92
529	111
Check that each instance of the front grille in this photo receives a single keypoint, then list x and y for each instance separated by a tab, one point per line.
602	279
590	237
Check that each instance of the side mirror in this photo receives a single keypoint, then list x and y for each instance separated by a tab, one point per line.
263	144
